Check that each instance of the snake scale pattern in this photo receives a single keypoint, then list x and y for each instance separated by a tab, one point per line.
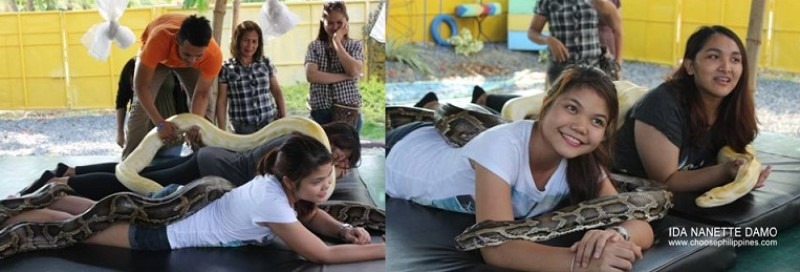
646	205
643	202
119	207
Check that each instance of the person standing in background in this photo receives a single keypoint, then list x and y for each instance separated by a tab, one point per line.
334	63
248	80
182	44
171	100
574	33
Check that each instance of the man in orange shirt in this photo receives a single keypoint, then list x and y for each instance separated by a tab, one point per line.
173	43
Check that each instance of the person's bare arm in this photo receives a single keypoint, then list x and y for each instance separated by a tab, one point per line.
142	79
660	160
314	75
222	106
141	83
610	15
200	98
595	243
277	94
308	245
493	202
556	47
121	112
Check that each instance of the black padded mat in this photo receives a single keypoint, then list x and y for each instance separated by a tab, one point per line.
421	239
777	204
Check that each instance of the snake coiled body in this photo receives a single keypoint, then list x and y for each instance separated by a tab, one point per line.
745	180
42	198
128	170
357	214
119	207
397	116
602	211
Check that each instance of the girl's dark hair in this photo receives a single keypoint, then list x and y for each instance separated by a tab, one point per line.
327	8
196	30
584	171
736	123
295	159
345	137
238	34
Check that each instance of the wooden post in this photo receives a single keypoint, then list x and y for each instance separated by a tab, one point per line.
753	44
235	18
219	16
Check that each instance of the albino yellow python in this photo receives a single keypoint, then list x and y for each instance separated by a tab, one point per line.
746	179
128	170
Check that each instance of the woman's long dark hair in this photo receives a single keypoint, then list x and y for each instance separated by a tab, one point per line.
344	137
238	35
327	8
736	123
584	171
295	159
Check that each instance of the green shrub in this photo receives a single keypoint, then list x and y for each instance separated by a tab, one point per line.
373	95
465	44
406	53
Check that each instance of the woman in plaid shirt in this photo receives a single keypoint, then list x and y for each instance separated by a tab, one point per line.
248	81
333	65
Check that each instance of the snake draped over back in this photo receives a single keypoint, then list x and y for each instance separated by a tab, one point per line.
128	170
119	207
136	209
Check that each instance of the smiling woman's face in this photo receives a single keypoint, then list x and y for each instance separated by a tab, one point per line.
314	188
717	67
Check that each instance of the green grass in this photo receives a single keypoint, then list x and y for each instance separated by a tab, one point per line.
373	95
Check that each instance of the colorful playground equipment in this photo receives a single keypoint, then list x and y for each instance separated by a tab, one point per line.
477	11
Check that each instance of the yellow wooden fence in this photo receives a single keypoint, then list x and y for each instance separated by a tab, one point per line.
43	64
655	30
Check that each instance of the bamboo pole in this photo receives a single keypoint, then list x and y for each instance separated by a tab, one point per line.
753	45
219	17
235	18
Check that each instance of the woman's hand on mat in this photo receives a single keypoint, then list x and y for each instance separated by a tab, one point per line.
594	242
617	256
763	176
358	236
557	49
168	132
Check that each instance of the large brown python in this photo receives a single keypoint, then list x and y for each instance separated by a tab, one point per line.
356	214
119	207
42	198
457	125
646	205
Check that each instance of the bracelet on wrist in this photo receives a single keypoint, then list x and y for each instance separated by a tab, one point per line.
622	231
344	227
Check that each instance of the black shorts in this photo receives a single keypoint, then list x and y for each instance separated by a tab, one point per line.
146	238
